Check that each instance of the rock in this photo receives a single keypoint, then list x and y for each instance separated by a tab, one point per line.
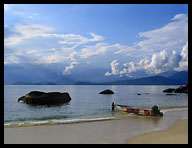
169	90
42	98
171	94
107	91
180	89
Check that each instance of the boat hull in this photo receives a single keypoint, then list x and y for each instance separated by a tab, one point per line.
137	111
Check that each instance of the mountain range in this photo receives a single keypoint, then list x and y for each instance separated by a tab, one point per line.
168	78
179	78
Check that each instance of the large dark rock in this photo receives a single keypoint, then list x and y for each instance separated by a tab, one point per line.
169	90
107	91
42	98
180	89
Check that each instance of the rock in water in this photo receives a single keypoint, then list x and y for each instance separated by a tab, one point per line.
42	98
169	90
107	91
180	89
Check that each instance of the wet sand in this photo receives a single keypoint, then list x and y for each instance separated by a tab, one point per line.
100	132
177	134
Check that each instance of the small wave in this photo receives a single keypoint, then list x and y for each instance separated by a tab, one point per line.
173	109
56	122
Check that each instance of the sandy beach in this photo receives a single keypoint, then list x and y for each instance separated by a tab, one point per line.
177	134
106	132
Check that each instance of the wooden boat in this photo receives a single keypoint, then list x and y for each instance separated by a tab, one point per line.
140	111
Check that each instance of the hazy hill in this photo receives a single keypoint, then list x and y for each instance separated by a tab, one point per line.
41	75
154	80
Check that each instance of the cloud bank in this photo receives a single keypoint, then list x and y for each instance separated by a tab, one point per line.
160	50
167	47
159	62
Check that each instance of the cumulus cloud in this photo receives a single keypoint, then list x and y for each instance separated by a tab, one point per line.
163	62
115	69
69	68
183	64
167	46
159	62
171	36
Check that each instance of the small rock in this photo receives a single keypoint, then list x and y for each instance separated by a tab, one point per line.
107	91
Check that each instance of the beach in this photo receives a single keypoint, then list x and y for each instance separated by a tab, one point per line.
177	134
120	131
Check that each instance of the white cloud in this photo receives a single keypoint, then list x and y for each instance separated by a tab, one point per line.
52	58
108	74
159	62
27	31
73	56
12	59
69	68
66	43
115	69
184	52
161	49
99	49
163	62
182	17
93	50
96	37
23	31
166	46
183	64
171	36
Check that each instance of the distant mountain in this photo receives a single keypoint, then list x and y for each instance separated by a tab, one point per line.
181	76
87	83
27	83
167	73
154	80
37	75
42	75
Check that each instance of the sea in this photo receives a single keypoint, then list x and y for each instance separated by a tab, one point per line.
86	104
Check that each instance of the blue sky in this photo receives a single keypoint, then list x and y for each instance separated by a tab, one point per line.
121	38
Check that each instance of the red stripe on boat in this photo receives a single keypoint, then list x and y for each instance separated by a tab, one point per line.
128	110
147	112
136	111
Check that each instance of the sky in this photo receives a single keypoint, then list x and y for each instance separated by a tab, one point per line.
118	39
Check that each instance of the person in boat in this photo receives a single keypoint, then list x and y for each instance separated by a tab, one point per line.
112	106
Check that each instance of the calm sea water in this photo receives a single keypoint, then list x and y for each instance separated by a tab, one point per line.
86	103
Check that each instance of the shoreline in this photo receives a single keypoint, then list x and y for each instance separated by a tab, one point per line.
99	132
81	120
